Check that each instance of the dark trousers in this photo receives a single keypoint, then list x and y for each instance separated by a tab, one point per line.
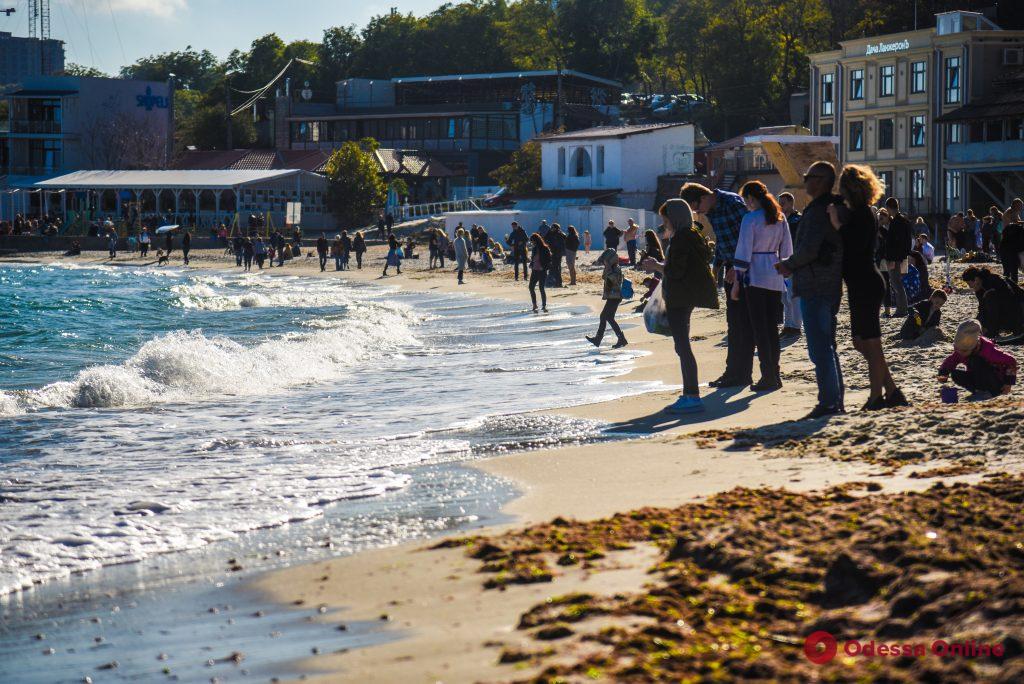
359	259
631	250
323	261
462	271
555	274
980	376
337	263
184	254
537	278
519	257
608	319
679	322
238	257
1011	266
765	310
143	248
999	311
739	358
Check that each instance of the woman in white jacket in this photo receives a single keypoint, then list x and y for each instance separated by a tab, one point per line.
461	253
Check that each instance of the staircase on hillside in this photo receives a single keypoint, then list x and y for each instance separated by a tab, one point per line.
726	181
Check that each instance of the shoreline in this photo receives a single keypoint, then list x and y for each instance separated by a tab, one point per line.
452	628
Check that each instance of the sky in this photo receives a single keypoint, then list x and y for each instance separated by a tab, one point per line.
108	34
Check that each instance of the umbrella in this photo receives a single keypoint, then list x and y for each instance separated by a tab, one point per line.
167	229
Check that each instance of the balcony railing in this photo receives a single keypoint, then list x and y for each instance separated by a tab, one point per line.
35	126
746	162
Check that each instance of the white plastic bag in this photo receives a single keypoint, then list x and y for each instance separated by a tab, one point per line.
655	314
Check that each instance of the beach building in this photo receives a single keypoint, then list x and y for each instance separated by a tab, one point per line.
22	58
57	124
206	196
471	123
900	103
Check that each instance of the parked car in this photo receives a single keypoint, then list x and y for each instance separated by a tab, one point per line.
682	106
498	199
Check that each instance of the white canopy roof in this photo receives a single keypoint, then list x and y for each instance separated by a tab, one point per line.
204	179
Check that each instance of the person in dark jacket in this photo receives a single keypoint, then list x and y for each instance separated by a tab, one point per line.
540	262
518	241
817	271
924	316
186	245
687	283
359	247
899	239
556	242
999	301
1011	249
321	251
572	246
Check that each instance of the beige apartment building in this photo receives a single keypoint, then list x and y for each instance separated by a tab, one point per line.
891	101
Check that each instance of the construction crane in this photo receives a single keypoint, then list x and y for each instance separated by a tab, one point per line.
39	19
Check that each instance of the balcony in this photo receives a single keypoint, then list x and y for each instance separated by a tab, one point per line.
35	127
746	162
986	152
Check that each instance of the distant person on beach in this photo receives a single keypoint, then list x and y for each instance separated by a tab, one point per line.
1011	247
518	242
556	243
336	252
588	241
860	189
896	251
543	228
236	244
359	247
346	250
260	252
169	243
389	221
186	245
76	249
394	255
793	322
145	240
321	251
817	271
988	371
1000	301
725	211
382	227
112	245
630	236
687	283
925	247
443	245
612	236
924	316
248	250
432	249
540	262
572	246
611	278
764	240
461	254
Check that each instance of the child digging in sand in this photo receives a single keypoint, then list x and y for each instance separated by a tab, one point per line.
989	371
924	316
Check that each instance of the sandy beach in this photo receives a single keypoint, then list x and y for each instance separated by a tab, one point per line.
456	630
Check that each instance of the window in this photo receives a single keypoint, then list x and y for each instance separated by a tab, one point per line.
952	80
857	84
600	158
886	178
976	132
561	161
994	131
885	134
886	80
581	164
955	134
827	130
917	183
953	181
1015	129
917	131
918	84
856	136
827	94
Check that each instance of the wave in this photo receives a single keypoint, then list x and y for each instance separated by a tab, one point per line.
220	294
182	366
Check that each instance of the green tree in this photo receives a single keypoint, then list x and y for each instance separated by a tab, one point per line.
522	172
72	69
391	47
335	56
607	37
192	69
263	61
440	46
355	185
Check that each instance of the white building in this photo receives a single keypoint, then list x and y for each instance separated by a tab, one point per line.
623	159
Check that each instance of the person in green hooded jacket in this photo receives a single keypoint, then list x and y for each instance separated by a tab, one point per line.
687	283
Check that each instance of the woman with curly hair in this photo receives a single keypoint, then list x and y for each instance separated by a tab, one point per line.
865	287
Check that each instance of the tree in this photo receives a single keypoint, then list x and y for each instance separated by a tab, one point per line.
72	69
607	37
124	141
355	187
264	61
390	47
522	172
335	56
192	69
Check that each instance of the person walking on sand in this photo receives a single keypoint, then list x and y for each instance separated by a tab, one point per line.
612	295
145	240
556	243
572	246
764	240
432	249
725	211
860	189
346	250
321	251
359	247
186	245
588	241
461	254
112	245
898	241
518	242
247	253
540	262
336	252
630	236
442	247
394	255
687	283
817	271
260	252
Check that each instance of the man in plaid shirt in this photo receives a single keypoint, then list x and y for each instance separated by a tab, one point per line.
725	211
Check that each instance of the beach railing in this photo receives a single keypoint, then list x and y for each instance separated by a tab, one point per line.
406	212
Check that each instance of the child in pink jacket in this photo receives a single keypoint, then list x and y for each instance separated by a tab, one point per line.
989	371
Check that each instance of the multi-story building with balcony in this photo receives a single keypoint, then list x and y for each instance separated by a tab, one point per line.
888	98
51	125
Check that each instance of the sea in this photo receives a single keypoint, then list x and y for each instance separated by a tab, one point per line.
159	424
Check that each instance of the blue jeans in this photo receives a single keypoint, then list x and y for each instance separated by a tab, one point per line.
819	314
791	308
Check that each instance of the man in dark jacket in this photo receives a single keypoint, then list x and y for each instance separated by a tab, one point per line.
321	251
556	241
517	243
817	271
899	240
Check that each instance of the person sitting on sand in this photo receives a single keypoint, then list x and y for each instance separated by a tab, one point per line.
76	249
989	371
999	301
925	247
925	315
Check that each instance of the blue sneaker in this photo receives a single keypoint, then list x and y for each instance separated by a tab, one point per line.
686	404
